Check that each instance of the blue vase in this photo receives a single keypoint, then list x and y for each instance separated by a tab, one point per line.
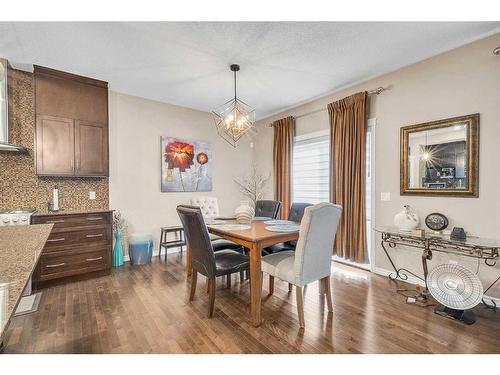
118	251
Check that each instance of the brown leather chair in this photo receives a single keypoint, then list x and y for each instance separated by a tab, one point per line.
267	208
204	260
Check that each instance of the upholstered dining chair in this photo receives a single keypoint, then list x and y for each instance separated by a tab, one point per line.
209	207
204	260
296	214
311	261
267	208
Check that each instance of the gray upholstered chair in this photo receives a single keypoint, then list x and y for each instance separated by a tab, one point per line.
267	208
311	261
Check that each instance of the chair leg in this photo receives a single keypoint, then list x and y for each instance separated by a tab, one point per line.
194	279
242	276
271	284
211	296
328	292
228	281
300	306
290	287
208	285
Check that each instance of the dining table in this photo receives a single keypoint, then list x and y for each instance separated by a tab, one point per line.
254	238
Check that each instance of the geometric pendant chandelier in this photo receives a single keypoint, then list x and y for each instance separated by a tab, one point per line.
234	119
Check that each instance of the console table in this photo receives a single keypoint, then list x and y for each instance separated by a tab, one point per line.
474	247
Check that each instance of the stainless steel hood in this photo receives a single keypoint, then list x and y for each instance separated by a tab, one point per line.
5	146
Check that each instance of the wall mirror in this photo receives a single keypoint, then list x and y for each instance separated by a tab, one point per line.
441	157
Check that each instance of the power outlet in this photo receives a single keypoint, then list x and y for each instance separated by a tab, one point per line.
92	195
385	196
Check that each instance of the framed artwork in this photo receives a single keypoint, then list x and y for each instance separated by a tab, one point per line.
186	166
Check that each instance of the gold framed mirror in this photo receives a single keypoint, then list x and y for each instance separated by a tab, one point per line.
441	158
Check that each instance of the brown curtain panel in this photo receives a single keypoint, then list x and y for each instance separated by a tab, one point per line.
347	178
284	131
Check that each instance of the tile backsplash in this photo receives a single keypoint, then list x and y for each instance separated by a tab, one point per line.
20	187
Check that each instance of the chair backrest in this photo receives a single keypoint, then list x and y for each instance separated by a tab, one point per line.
208	205
313	254
200	246
297	211
267	208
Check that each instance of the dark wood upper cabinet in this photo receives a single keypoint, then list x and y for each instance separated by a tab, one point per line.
55	145
71	125
91	152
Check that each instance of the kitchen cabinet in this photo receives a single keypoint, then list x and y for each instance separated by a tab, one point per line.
79	244
71	125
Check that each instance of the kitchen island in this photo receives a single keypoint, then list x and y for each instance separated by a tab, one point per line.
20	250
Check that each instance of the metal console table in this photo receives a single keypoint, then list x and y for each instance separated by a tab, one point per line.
473	247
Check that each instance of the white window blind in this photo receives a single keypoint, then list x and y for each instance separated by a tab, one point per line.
310	169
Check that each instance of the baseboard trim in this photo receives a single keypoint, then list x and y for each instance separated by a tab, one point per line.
414	281
126	258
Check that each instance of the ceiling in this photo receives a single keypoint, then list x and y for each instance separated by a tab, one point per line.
187	63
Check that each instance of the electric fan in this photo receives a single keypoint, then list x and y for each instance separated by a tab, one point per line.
457	289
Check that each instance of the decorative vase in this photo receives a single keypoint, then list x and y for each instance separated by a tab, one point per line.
118	250
407	219
244	213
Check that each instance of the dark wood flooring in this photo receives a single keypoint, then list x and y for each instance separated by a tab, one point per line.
145	309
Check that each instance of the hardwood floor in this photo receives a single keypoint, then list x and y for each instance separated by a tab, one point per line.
145	309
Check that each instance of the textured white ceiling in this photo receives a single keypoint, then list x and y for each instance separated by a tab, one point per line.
282	63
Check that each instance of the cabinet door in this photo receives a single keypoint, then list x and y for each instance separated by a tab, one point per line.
91	154
55	146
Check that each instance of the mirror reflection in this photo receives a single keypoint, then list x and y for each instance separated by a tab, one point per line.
438	158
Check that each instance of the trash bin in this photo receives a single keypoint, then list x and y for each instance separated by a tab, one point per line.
140	248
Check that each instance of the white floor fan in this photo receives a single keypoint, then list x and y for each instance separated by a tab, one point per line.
457	289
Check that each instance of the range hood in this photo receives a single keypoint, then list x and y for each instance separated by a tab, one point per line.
5	146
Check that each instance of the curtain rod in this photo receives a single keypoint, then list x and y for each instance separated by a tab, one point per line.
376	91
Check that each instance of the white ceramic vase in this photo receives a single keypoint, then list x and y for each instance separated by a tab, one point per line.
407	219
244	213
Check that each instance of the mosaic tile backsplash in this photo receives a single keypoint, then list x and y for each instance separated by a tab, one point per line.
20	187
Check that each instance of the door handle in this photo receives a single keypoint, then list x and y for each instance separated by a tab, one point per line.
93	259
56	239
55	265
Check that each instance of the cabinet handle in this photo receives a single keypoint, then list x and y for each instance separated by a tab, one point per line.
55	265
94	218
56	239
55	221
77	164
93	235
93	259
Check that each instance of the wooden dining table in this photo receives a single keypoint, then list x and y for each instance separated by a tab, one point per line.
255	238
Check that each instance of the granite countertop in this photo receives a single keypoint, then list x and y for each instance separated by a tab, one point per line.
20	249
70	212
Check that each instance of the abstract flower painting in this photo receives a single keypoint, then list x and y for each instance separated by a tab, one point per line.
185	165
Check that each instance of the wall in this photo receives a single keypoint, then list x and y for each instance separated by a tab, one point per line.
462	81
20	187
136	125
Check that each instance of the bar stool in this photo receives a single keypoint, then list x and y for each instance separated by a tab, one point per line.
165	243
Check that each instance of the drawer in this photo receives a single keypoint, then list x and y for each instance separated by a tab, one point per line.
60	239
65	221
55	266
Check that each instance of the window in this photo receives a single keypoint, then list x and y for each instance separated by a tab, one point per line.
310	170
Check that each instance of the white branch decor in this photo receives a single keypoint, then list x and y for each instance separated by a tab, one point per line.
252	186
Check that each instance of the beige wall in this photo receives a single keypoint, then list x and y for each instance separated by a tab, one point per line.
135	127
459	82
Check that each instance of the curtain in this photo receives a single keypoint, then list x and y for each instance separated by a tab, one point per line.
347	178
284	131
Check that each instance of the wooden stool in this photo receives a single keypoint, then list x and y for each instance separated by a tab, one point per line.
166	244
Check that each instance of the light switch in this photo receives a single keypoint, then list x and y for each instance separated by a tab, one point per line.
92	195
385	196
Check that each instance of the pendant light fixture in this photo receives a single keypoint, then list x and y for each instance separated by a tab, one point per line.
235	118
